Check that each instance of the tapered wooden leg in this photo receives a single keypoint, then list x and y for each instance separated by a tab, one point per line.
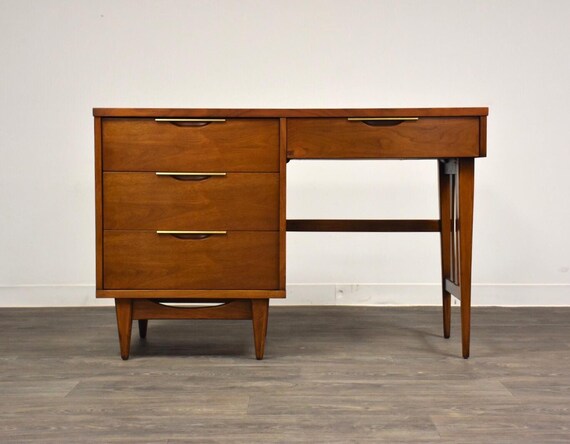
143	325
124	309
466	187
445	237
260	312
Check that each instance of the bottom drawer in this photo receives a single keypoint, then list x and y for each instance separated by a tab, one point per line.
150	261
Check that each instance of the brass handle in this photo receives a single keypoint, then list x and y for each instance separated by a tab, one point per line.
382	118
190	122
188	176
382	121
196	235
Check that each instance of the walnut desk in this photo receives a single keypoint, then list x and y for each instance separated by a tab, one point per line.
190	203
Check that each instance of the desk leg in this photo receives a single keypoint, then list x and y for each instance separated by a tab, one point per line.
259	311
445	237
143	326
124	309
466	189
456	185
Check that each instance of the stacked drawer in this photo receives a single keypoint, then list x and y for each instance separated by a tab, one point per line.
190	204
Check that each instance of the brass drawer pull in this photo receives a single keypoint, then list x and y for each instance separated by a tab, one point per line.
382	121
190	122
189	176
196	235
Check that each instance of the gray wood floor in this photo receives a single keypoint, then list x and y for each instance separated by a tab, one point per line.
331	374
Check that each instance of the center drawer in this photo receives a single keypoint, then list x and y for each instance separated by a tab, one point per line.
150	261
183	201
228	145
362	138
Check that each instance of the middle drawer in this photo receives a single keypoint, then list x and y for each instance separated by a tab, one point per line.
178	201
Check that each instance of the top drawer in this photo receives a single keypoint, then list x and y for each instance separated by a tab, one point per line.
231	145
425	137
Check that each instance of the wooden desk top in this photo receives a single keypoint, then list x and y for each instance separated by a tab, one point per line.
288	112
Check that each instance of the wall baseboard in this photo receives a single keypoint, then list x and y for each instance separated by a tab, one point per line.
51	296
425	294
319	294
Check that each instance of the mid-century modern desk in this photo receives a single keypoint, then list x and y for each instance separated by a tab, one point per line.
190	203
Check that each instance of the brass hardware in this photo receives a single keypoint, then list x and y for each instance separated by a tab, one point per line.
191	232
189	120
382	118
169	173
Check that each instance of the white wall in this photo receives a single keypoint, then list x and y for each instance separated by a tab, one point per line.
58	59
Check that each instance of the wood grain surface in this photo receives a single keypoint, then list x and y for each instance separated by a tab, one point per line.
98	205
344	139
445	216
193	294
282	202
288	112
466	194
364	225
145	260
330	374
235	145
145	201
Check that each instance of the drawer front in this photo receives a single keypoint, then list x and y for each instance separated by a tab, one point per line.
150	261
357	139
147	201
232	145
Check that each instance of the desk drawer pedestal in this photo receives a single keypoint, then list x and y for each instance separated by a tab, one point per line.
190	210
